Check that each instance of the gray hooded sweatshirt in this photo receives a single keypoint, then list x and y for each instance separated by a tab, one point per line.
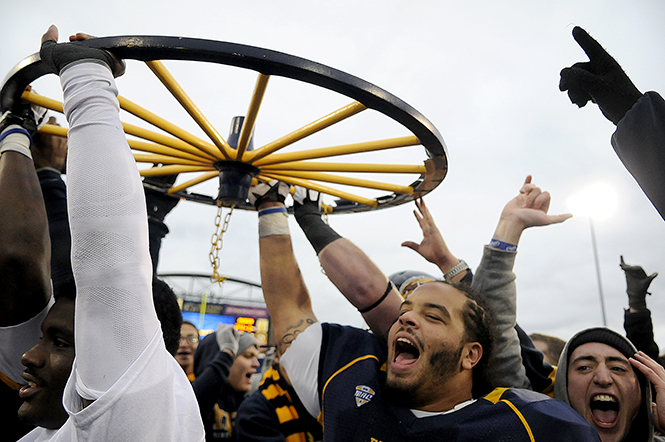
642	428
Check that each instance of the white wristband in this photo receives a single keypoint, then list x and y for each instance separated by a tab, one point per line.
16	142
273	224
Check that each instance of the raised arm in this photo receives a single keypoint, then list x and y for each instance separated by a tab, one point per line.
637	319
115	317
24	240
354	274
495	278
282	283
49	153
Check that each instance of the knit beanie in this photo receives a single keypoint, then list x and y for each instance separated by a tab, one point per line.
245	341
604	336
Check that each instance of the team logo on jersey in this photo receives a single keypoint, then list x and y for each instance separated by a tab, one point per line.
363	394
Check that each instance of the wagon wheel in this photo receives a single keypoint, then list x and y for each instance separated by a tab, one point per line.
198	159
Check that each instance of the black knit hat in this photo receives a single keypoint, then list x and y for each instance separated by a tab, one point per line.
604	336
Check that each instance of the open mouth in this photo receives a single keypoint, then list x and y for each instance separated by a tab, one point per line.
605	410
406	352
29	390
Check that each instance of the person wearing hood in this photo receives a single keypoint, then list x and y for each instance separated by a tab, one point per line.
608	382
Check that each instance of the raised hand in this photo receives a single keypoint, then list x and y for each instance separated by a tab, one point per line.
656	374
600	80
637	282
433	248
50	150
58	56
528	209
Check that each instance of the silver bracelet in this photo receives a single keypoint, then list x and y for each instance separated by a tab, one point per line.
459	268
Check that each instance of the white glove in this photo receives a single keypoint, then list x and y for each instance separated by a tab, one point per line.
303	195
272	191
227	338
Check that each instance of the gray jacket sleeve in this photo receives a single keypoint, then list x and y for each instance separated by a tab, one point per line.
496	280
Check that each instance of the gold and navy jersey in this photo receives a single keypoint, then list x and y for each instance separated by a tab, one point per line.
356	407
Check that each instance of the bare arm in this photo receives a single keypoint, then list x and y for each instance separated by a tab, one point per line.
283	287
362	283
24	241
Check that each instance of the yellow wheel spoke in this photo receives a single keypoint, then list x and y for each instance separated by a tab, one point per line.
305	131
42	101
166	159
323	189
157	121
346	149
315	166
158	68
52	129
201	178
166	140
173	169
348	181
160	149
250	119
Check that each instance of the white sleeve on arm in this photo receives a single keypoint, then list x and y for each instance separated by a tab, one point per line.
301	362
115	317
16	340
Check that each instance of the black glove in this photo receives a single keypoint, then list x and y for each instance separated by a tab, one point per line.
24	118
600	80
638	282
159	203
276	191
306	201
58	55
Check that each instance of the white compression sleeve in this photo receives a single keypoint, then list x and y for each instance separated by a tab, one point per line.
115	317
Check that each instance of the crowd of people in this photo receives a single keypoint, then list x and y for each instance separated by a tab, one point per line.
94	346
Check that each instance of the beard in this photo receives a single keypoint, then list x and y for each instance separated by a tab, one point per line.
445	362
443	366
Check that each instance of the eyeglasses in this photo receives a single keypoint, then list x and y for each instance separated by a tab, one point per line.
190	339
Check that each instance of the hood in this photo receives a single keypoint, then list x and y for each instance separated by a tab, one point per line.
642	428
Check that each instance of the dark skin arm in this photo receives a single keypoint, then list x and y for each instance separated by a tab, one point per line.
25	247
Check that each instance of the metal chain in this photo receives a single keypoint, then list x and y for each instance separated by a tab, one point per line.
217	241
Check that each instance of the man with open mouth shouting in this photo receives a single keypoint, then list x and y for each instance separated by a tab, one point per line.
427	382
596	377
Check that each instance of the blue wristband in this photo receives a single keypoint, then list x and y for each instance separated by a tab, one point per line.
270	210
16	130
503	245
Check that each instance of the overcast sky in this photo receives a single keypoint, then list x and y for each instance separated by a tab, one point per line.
485	73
